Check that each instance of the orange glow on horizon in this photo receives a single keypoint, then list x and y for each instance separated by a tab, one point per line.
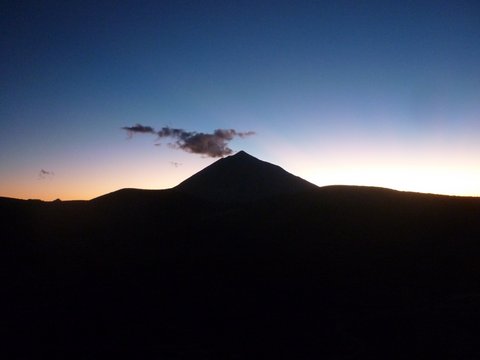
430	173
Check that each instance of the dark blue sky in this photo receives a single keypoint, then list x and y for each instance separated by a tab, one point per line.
382	93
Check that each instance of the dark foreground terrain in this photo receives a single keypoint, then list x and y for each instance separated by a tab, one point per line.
287	271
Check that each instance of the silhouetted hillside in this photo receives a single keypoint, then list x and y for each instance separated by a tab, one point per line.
287	271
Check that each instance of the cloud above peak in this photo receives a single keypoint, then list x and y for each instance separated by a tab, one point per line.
209	144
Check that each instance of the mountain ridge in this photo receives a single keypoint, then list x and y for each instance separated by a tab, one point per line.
240	177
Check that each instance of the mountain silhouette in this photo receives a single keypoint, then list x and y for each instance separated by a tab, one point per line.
241	260
242	177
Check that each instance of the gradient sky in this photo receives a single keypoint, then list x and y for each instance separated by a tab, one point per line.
381	93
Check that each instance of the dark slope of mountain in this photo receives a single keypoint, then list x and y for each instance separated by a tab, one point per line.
129	195
337	272
242	177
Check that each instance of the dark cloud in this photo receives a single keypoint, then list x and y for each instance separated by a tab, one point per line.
213	145
138	129
171	132
43	174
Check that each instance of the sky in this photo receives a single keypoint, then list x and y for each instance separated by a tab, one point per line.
379	93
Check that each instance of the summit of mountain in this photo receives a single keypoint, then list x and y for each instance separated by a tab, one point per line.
243	177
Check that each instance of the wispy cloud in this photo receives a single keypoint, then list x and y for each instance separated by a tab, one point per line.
176	164
44	174
210	144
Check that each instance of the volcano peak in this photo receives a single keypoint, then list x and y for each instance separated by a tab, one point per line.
242	177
